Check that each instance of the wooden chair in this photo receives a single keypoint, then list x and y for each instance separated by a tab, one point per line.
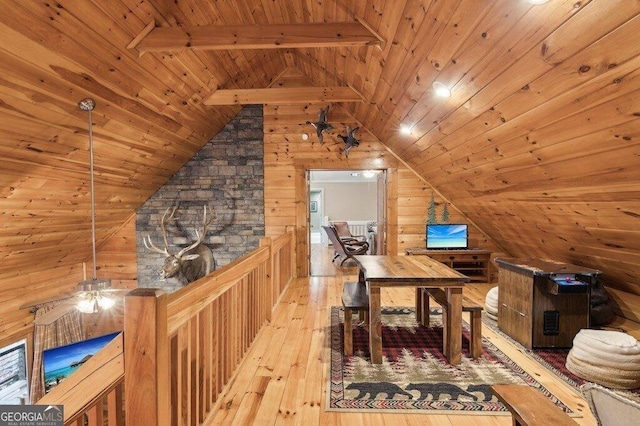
344	248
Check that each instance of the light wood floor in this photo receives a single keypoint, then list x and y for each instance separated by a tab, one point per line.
283	379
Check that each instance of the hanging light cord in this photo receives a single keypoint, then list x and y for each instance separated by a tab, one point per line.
93	201
94	300
88	105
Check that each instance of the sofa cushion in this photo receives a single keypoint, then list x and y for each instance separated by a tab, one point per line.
610	408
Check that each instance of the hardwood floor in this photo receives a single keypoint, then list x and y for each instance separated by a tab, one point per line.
283	379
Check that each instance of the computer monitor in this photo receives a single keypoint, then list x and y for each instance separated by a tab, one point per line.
446	236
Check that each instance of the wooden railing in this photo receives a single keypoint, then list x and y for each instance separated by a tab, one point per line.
179	351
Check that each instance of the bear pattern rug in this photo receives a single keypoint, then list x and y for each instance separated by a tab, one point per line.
414	375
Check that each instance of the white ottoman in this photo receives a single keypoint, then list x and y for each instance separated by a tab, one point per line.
608	358
491	303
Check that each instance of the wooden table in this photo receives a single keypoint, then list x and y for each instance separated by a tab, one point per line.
413	271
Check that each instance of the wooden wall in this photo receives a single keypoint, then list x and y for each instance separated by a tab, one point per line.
116	260
16	323
287	156
117	257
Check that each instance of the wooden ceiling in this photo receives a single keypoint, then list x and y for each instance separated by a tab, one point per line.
538	143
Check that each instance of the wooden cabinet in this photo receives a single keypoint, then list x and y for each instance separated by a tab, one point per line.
528	309
474	263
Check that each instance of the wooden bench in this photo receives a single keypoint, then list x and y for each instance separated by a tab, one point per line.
528	406
354	299
468	305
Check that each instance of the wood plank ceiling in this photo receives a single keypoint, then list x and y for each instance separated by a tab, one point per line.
538	143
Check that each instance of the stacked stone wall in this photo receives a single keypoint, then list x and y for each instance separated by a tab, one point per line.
227	174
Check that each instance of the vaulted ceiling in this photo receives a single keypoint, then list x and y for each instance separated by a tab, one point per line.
537	144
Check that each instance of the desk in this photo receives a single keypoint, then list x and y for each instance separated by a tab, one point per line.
413	271
474	263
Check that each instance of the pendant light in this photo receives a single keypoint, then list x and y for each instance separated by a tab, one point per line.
92	299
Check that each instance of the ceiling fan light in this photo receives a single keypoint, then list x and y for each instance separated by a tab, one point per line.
105	302
88	305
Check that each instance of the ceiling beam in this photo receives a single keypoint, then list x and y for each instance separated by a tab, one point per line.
282	95
272	36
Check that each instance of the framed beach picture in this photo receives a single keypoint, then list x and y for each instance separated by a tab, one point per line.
313	206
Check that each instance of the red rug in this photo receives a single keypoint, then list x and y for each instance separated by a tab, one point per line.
414	375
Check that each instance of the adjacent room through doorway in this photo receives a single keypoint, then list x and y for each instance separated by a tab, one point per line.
351	196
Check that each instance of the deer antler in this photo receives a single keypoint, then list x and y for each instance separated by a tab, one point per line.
200	236
147	240
149	245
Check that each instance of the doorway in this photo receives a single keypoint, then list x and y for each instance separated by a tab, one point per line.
352	196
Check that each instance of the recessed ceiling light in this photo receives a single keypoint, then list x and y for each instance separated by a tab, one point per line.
305	136
405	130
441	90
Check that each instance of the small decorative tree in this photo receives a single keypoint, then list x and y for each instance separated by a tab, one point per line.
431	212
445	214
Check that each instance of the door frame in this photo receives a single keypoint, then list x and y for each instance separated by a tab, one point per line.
303	243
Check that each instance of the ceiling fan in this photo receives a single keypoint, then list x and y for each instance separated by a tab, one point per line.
95	294
94	301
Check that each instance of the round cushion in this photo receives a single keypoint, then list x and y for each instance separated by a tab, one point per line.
491	303
609	358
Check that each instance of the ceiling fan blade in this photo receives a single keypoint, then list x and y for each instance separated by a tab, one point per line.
55	313
116	292
47	300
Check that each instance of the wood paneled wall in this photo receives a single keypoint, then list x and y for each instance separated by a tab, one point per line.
116	260
16	323
288	156
117	257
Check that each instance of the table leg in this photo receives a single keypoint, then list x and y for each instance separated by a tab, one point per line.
453	344
419	305
375	325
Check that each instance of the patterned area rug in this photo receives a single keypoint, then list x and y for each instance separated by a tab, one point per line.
554	360
414	375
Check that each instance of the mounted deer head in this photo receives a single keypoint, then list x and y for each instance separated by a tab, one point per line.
192	262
